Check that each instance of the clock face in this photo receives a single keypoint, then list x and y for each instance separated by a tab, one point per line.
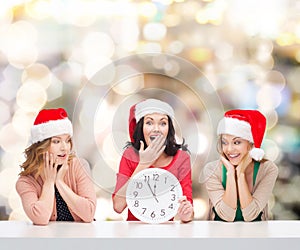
152	195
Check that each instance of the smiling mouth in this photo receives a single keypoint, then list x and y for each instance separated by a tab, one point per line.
231	156
61	156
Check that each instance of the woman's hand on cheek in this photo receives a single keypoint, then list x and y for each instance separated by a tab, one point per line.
50	167
229	167
245	162
62	171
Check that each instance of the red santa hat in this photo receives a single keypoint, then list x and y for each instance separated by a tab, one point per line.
50	122
146	107
247	124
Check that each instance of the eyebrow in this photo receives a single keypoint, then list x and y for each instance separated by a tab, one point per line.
163	118
58	137
234	138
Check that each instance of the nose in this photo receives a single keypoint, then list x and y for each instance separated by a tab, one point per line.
156	128
63	146
230	147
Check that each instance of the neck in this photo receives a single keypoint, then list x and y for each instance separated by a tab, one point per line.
163	160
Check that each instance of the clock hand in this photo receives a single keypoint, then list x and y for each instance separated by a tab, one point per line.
154	188
152	192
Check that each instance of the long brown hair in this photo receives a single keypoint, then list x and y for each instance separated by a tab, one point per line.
34	155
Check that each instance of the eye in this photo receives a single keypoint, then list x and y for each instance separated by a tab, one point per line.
55	141
163	124
223	142
148	123
237	142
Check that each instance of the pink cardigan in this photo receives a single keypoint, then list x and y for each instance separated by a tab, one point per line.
77	178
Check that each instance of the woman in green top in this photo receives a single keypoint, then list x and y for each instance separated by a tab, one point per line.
240	184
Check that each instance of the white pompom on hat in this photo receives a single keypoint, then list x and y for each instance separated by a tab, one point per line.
49	123
247	124
147	107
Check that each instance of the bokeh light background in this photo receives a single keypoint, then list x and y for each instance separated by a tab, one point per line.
249	51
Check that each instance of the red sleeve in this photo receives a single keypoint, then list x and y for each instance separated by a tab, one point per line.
185	175
128	163
181	168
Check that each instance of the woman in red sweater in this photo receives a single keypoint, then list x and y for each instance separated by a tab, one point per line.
153	144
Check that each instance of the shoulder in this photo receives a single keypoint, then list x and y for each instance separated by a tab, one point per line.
25	182
130	153
210	170
268	166
80	161
182	154
79	164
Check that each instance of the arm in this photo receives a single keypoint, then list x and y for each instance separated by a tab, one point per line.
128	168
39	207
119	196
244	193
186	211
230	193
263	188
216	193
83	201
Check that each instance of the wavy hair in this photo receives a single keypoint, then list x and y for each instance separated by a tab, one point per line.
34	155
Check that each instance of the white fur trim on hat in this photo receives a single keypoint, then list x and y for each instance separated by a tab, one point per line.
236	127
151	106
51	128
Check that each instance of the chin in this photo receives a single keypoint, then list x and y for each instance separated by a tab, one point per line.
235	162
60	162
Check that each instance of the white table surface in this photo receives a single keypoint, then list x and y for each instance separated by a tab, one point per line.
123	234
121	229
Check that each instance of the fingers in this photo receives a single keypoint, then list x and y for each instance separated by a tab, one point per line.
185	206
141	146
226	163
46	159
158	143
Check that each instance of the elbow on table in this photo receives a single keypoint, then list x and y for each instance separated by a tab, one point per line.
39	222
118	208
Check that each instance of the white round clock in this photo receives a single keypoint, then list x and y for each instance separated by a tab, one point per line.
152	195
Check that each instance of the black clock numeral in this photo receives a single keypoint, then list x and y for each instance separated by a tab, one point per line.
144	210
162	212
173	197
166	178
135	194
152	215
136	203
147	178
156	177
172	188
139	185
171	206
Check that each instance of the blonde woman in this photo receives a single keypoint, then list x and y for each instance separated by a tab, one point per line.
241	182
55	185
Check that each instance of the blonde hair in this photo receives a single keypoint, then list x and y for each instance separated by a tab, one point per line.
34	155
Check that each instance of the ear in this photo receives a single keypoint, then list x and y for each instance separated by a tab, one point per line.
250	146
